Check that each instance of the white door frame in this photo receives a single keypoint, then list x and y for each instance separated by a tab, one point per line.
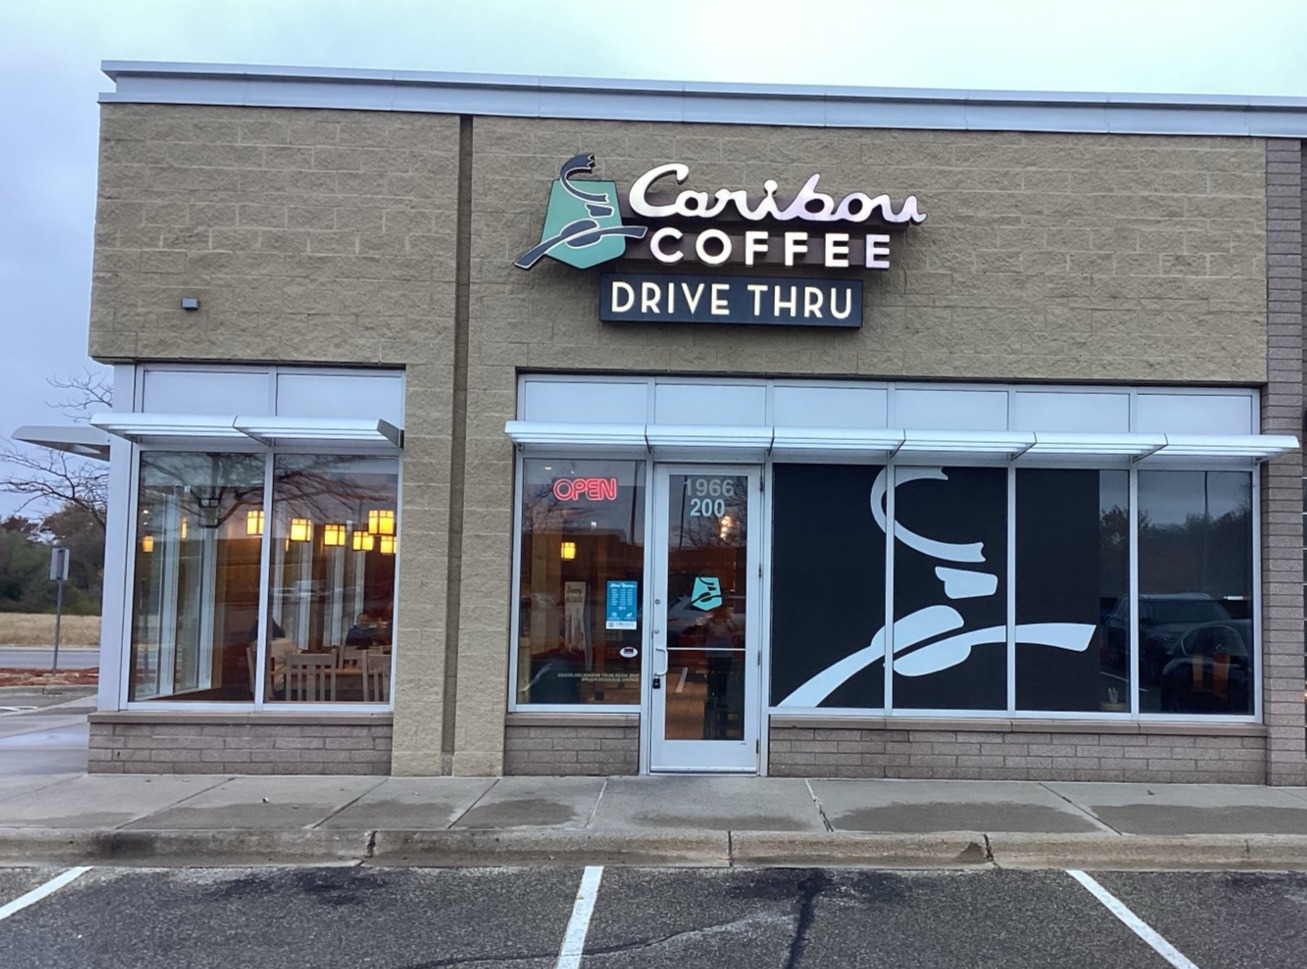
659	755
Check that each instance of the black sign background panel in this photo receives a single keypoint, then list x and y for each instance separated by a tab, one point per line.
828	579
969	507
1057	580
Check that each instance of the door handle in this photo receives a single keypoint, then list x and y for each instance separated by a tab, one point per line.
660	655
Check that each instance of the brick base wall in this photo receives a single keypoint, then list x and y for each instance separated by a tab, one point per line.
545	744
1018	750
179	743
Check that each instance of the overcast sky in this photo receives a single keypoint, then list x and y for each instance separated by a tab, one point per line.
50	52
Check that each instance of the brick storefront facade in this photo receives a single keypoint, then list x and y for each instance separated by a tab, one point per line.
385	239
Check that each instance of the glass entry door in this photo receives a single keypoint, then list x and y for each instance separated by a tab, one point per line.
703	688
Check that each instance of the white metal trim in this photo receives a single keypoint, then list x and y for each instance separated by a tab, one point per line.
1010	606
114	601
531	96
1133	552
515	583
887	662
260	671
1259	667
131	524
766	483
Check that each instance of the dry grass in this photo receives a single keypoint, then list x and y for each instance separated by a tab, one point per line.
37	629
45	678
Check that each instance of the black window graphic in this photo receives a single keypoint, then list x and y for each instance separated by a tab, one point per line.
1074	615
1073	565
828	584
950	593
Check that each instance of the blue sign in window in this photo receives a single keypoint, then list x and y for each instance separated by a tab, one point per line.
621	605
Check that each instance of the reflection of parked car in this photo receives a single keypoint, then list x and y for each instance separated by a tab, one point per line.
1211	671
1163	621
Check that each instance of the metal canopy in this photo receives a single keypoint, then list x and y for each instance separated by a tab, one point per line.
851	444
155	428
85	442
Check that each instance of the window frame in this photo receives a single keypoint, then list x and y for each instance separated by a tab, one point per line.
260	704
515	594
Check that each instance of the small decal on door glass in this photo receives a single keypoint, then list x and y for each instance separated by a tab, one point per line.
707	593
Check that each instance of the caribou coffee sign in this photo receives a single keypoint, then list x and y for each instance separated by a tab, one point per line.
588	223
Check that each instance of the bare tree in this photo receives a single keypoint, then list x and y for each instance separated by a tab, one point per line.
55	478
48	477
86	393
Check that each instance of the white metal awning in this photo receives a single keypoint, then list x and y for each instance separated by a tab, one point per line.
854	444
216	429
79	439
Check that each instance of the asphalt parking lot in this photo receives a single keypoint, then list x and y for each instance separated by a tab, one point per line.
725	918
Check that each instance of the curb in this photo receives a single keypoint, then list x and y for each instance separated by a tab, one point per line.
687	849
45	846
487	847
1174	852
859	849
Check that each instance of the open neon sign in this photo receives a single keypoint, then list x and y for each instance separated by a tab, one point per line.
594	489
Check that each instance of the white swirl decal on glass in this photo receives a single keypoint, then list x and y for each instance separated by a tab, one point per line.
950	652
926	546
962	584
913	633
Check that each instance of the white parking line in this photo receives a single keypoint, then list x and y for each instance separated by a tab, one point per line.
569	957
1137	925
36	894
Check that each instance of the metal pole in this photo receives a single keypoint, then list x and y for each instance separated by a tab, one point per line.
58	618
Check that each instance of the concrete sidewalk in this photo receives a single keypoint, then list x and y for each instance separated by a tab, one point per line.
666	820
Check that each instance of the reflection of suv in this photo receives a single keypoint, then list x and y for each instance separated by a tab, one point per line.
1163	622
1211	670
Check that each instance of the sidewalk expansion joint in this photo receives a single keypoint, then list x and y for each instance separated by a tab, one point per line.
1082	810
348	804
481	797
370	845
821	811
599	800
989	850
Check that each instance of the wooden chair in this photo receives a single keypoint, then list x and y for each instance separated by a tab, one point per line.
376	678
349	657
311	677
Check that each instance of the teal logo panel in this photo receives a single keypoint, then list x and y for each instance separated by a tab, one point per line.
707	592
583	227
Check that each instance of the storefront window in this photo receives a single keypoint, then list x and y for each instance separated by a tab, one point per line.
950	589
331	599
1195	592
581	582
1064	647
1073	590
828	587
196	595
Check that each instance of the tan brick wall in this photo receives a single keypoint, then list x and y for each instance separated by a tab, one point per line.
1282	478
329	237
245	744
309	236
313	236
1043	257
545	745
1020	751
